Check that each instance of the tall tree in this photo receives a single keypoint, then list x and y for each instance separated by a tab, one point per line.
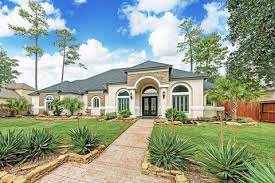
251	29
209	54
191	33
7	71
68	49
37	18
234	91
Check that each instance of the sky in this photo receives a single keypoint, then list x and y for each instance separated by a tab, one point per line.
111	34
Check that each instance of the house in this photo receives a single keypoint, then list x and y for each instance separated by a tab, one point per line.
14	91
147	89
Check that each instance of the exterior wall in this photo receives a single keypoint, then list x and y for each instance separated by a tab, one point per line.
25	93
101	96
35	103
111	97
3	101
161	75
269	95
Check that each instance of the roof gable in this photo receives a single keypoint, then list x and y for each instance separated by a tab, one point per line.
148	65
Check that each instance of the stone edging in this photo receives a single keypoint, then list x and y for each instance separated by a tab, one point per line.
42	170
149	169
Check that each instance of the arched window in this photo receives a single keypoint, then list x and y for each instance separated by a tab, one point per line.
180	98
123	98
150	90
96	102
48	101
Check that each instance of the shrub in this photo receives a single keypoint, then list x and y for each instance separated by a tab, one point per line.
171	114
83	140
124	114
17	105
57	107
10	148
72	104
260	173
39	142
111	115
182	117
169	151
226	162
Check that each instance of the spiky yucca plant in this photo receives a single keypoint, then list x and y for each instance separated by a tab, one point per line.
84	140
40	142
169	151
10	147
260	173
226	162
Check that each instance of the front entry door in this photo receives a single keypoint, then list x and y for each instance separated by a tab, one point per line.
149	106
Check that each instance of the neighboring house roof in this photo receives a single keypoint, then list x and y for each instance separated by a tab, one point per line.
115	76
207	85
18	86
8	93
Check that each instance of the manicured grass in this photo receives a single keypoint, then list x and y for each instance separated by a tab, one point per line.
109	131
260	140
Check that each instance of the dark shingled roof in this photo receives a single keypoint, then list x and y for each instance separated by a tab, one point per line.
115	76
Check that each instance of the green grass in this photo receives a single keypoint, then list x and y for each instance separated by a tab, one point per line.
260	140
109	131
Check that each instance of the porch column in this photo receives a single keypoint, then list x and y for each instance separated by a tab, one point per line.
133	102
163	101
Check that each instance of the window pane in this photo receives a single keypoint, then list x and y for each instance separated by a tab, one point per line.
123	93
123	104
149	90
180	102
180	88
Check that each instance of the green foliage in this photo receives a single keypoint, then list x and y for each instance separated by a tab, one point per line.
10	148
234	91
191	33
68	49
110	115
7	65
171	114
83	140
209	54
37	18
260	173
251	29
57	107
169	151
39	142
72	104
17	105
124	113
227	162
182	117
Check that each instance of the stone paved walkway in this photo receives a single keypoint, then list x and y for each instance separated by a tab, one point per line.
119	163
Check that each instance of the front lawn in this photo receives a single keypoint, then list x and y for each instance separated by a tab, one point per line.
260	140
109	130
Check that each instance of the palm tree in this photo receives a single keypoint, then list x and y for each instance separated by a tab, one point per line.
234	91
72	104
17	105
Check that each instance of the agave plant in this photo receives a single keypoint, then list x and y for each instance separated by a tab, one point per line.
226	162
10	147
260	173
169	151
83	140
40	142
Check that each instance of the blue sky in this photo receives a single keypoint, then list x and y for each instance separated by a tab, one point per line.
117	33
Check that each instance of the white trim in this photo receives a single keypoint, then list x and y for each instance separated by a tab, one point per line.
45	105
118	97
146	77
189	94
92	102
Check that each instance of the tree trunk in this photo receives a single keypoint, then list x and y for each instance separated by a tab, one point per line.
63	65
234	107
191	55
36	61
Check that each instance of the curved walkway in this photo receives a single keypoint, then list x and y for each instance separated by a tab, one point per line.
119	163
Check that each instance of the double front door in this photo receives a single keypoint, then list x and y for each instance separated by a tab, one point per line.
150	106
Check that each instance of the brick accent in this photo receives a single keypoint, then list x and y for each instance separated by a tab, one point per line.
42	97
162	76
102	100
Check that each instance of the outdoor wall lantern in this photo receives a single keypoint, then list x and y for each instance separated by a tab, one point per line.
163	94
131	95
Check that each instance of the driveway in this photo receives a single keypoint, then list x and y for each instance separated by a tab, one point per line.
119	163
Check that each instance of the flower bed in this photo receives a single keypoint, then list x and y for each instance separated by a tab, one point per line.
39	171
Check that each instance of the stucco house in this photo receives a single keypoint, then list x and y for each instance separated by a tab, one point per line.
14	91
147	89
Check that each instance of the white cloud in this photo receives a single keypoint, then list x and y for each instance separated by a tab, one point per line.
10	16
80	1
216	18
94	55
